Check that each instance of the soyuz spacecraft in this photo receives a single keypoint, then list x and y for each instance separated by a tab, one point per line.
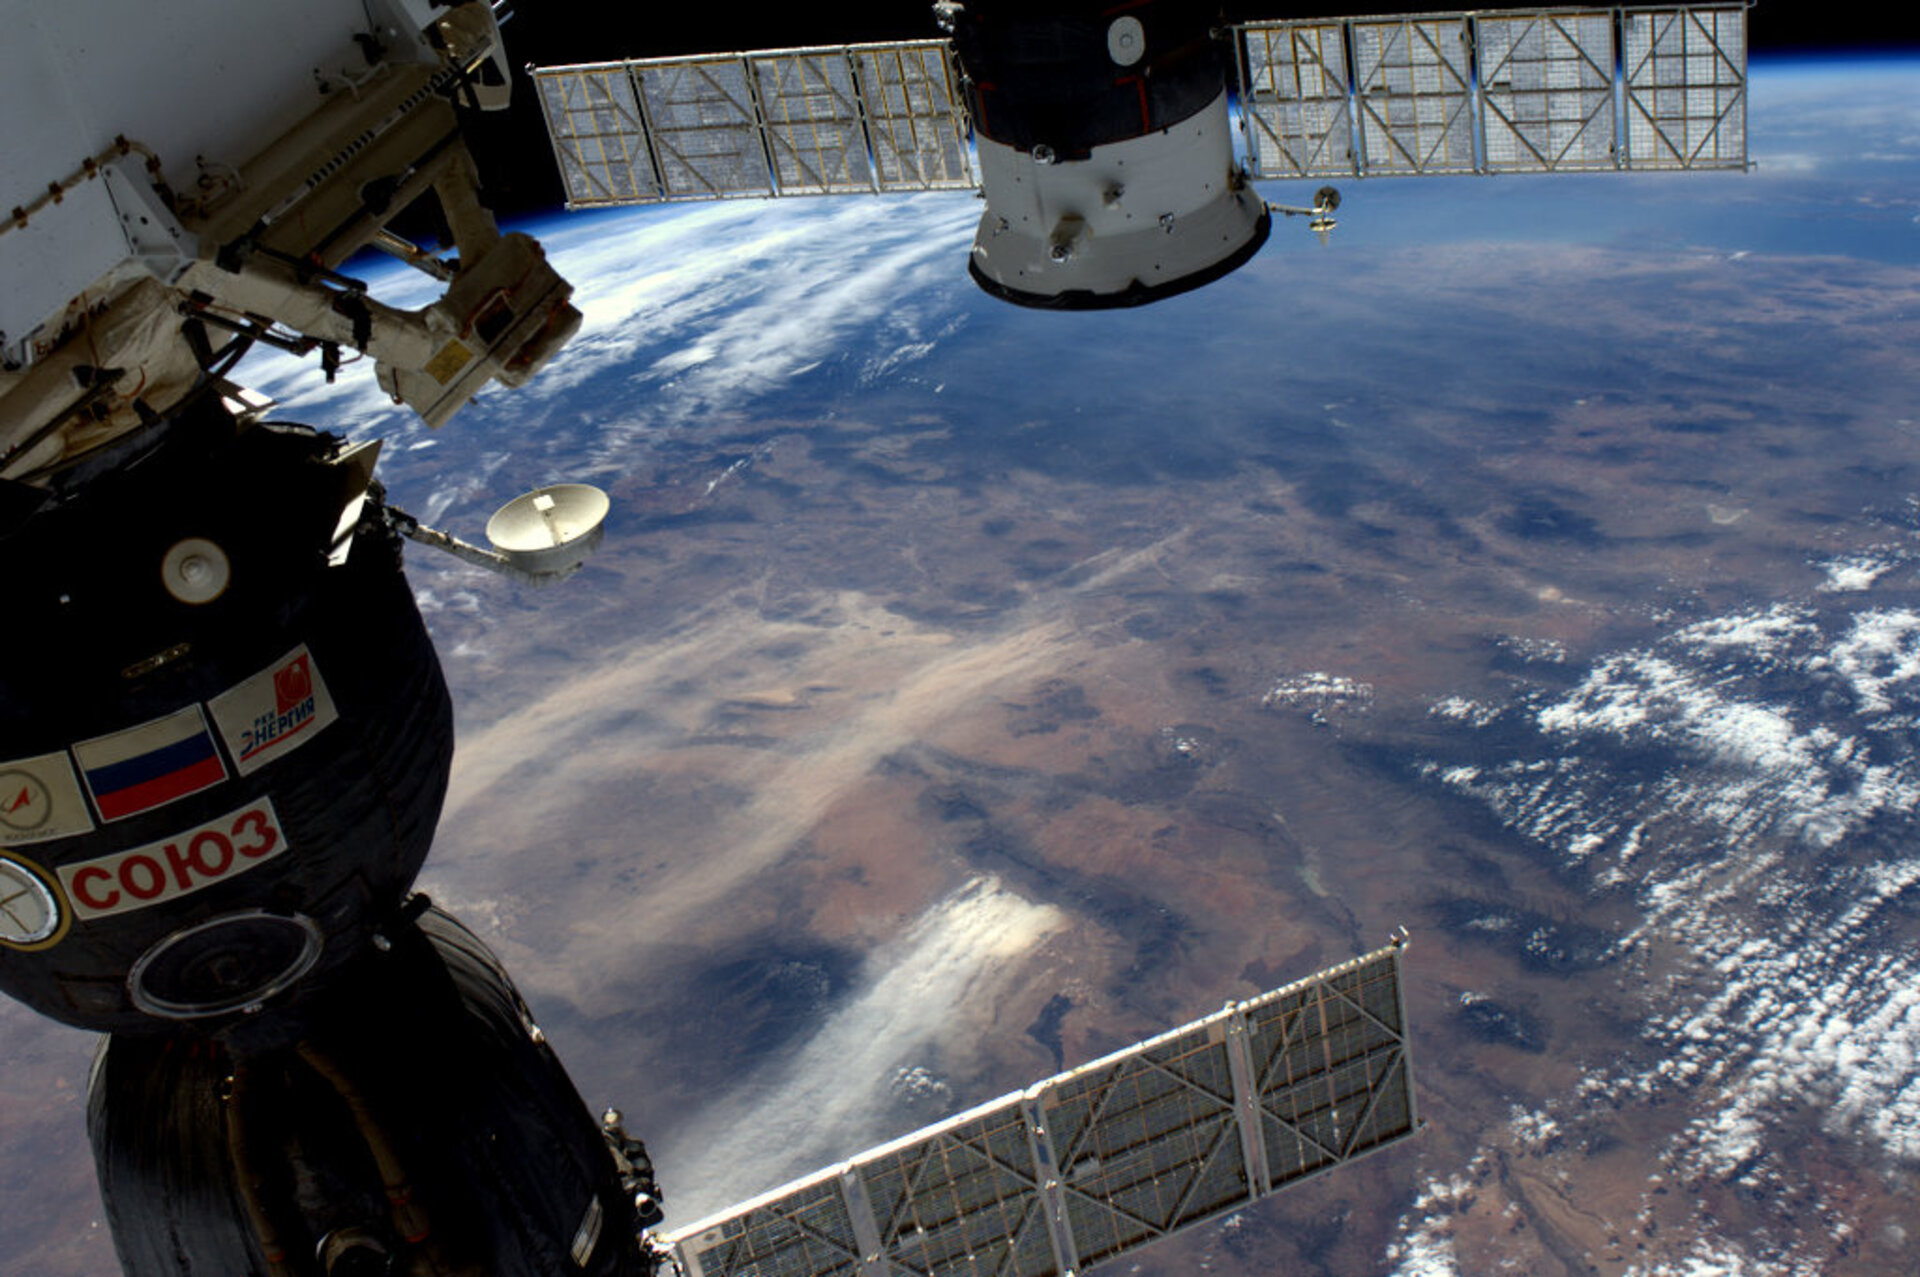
224	735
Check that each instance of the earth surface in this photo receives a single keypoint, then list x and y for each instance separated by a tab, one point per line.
963	692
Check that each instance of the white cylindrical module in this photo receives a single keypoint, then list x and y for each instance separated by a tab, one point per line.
1135	221
1105	155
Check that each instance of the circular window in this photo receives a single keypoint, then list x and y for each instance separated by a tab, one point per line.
224	964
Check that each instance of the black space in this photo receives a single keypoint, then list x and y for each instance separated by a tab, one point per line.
516	160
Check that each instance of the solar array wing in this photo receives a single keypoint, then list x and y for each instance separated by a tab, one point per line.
915	126
1508	91
1686	87
1295	87
826	121
1095	1163
1414	85
703	127
811	121
599	135
1547	82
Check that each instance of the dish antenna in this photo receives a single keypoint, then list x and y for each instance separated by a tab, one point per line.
540	537
550	530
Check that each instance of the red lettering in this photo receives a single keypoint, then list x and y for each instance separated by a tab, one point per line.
256	820
156	877
165	870
83	888
182	871
217	840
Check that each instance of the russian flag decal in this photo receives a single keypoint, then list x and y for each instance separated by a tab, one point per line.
150	765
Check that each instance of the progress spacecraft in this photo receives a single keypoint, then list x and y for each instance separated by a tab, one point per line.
224	734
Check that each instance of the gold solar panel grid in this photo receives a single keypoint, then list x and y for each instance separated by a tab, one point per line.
812	121
910	93
1547	83
599	137
703	126
1348	1101
806	1234
1495	91
1295	85
1413	80
1093	1164
834	120
1686	80
964	1201
1148	1144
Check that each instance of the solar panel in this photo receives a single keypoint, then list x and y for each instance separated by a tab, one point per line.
1547	83
1508	91
915	127
826	121
703	127
812	120
1414	83
1686	87
1294	89
1095	1163
599	139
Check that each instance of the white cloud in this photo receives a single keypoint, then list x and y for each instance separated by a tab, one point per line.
737	299
1854	573
687	314
1734	776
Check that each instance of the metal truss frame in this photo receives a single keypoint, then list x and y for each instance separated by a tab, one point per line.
1099	1161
